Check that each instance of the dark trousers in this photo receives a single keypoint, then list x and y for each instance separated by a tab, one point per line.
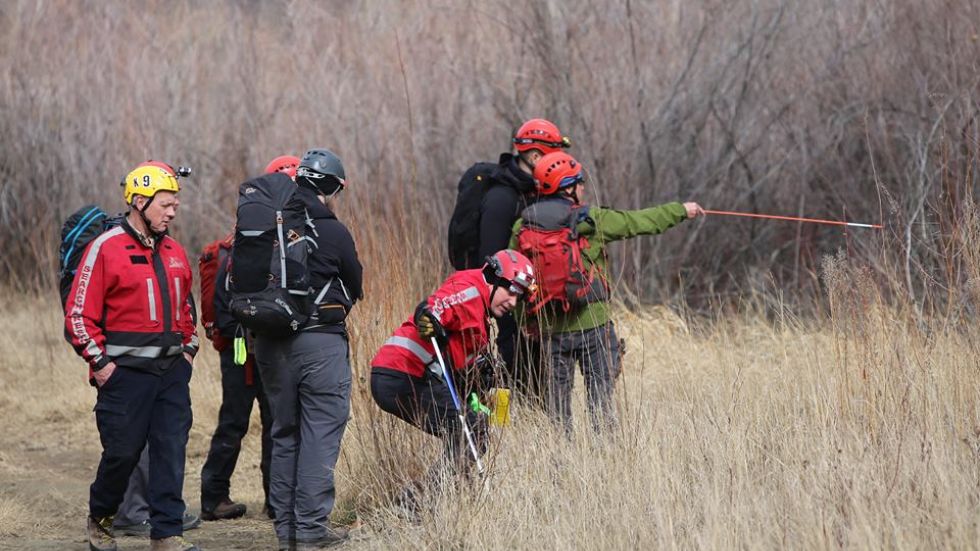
134	509
308	380
597	353
241	386
425	403
523	362
135	408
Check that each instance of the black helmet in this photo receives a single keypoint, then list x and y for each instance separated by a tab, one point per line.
321	171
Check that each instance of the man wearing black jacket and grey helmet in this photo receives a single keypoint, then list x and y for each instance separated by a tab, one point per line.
307	375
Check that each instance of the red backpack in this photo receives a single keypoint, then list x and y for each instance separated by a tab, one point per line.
549	238
211	258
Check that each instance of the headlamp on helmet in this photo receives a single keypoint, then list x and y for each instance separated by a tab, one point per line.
149	178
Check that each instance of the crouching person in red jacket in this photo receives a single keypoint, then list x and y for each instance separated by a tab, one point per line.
406	378
130	315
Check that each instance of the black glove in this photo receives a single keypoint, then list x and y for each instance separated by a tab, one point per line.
427	325
487	365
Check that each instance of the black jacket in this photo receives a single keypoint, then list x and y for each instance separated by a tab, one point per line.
502	206
335	262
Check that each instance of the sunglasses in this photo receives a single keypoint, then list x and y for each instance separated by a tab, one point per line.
564	143
314	175
570	181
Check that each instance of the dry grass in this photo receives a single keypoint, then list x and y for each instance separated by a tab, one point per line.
740	433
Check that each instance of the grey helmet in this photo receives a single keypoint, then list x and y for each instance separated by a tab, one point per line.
321	171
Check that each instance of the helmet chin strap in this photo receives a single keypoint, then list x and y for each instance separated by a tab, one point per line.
149	227
523	156
327	197
573	195
493	292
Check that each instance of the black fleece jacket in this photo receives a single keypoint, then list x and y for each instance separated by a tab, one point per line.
502	206
334	261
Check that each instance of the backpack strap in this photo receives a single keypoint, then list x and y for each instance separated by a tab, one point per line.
323	292
310	224
282	249
572	223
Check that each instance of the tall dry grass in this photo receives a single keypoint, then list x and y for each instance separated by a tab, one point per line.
860	430
753	427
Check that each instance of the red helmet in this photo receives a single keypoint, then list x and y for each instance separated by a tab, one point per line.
283	163
514	269
159	164
179	172
555	171
541	135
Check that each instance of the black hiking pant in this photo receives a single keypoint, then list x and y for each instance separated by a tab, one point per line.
596	351
426	403
241	386
523	362
135	409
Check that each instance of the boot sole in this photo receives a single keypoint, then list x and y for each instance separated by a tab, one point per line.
209	517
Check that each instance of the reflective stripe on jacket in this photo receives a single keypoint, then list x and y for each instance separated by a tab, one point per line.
462	306
131	304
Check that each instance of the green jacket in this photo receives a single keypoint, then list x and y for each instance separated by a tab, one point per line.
603	226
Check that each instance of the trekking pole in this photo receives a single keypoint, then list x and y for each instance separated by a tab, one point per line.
459	408
794	219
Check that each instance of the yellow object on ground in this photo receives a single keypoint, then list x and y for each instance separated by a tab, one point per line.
501	407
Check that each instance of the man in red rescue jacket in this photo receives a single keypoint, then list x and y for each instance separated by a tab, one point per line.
130	315
404	372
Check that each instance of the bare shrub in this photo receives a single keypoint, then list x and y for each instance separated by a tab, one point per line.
784	106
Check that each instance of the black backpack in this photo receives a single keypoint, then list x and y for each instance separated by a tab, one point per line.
83	226
464	226
270	284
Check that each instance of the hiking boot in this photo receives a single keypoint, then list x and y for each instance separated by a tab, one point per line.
100	536
334	536
142	530
191	521
173	543
226	510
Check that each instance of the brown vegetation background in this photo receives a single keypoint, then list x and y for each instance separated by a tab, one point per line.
824	396
854	110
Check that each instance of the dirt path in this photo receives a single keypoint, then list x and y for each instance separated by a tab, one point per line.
50	485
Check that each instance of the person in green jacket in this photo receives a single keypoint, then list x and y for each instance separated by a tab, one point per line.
570	311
